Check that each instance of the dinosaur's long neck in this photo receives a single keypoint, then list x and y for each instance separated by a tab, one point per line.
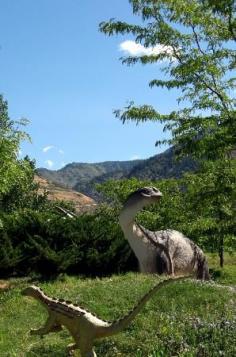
42	298
122	323
128	214
136	237
66	308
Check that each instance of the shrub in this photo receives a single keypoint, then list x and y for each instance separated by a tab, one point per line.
47	244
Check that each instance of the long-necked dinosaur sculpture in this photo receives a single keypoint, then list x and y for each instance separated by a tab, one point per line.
165	251
84	326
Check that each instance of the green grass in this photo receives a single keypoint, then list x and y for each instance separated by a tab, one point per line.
183	319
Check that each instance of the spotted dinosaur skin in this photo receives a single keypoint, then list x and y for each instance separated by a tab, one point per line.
84	326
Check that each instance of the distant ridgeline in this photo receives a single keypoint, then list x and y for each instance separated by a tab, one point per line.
82	177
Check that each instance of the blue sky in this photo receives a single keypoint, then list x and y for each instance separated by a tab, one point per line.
65	76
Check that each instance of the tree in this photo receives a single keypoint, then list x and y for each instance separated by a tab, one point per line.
16	176
210	211
196	41
10	139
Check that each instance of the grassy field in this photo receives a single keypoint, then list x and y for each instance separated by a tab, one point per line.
183	319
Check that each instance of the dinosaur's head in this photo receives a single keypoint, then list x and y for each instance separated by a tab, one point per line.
144	196
32	291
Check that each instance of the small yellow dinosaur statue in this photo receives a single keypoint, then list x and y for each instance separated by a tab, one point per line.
84	326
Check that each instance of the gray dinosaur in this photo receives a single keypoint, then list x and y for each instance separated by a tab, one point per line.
165	251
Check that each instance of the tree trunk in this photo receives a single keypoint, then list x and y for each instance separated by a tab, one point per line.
221	252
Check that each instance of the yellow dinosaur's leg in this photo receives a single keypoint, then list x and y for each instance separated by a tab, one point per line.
48	327
86	349
71	348
90	353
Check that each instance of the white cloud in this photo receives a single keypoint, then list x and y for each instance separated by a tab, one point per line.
46	148
61	151
19	152
49	163
133	48
135	157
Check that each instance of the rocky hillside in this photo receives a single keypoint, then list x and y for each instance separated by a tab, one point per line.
163	165
83	177
81	173
55	192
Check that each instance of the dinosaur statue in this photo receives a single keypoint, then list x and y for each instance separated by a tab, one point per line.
84	326
165	251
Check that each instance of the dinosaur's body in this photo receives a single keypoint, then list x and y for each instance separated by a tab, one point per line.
166	251
84	326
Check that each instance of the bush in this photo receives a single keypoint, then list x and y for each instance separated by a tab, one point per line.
47	244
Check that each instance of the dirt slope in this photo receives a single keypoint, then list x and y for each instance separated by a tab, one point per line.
55	192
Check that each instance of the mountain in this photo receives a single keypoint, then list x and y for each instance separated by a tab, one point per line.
83	177
163	165
55	192
81	173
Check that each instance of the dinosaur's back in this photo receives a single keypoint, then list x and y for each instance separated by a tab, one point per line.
184	253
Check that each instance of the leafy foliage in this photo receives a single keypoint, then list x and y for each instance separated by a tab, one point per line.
11	169
197	59
17	187
197	38
188	205
47	244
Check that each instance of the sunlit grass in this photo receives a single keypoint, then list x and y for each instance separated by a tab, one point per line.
183	319
227	274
